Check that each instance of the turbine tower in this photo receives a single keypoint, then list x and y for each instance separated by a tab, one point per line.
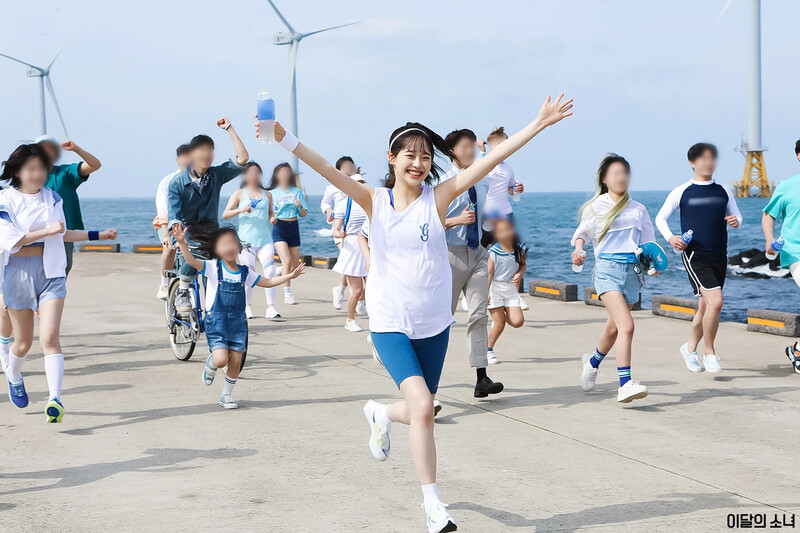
293	38
44	79
754	178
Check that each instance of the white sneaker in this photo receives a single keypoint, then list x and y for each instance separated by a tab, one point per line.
288	299
438	519
588	373
227	402
523	304
632	390
361	308
272	312
374	351
379	443
163	292
492	358
437	406
464	304
352	326
248	311
338	297
711	363
692	363
4	349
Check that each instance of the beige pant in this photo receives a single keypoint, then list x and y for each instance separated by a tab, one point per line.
471	276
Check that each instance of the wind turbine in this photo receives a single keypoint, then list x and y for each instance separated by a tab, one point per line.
44	79
293	38
754	177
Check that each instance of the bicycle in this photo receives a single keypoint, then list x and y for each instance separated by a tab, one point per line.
184	331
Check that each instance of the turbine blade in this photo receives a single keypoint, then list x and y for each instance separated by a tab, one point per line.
20	61
55	103
280	16
329	29
724	10
59	52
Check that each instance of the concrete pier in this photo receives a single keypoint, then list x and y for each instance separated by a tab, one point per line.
145	447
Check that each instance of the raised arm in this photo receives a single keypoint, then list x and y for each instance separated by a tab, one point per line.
242	156
90	163
550	113
360	193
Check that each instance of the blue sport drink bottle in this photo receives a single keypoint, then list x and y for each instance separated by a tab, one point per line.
687	238
265	111
777	246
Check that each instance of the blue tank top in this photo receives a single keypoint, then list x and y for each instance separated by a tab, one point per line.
254	227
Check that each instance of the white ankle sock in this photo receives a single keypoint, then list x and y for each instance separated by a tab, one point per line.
164	281
183	284
431	493
227	388
54	369
14	371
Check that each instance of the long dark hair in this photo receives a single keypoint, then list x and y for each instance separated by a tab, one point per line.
208	235
248	166
274	181
21	155
414	136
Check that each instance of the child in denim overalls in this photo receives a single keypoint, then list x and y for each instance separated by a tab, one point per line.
225	321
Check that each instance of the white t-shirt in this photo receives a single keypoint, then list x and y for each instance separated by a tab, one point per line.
330	198
162	195
631	228
500	179
210	273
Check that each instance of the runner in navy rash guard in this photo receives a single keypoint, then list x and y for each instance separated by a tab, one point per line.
707	208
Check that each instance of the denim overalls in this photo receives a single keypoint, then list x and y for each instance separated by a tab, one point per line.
226	323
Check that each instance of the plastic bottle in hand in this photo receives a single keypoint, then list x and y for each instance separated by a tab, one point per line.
687	238
516	194
265	111
777	246
579	268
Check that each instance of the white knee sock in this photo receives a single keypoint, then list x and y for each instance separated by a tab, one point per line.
431	493
287	290
54	369
14	371
227	388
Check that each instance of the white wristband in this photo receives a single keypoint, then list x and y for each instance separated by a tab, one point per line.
289	142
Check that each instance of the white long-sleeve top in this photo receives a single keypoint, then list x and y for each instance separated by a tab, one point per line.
330	198
631	228
162	196
21	213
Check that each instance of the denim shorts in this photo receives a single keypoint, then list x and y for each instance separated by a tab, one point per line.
25	285
404	357
226	331
612	276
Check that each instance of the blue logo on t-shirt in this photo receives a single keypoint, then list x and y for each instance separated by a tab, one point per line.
424	235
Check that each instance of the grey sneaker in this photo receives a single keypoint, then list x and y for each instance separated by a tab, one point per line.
183	303
227	402
209	371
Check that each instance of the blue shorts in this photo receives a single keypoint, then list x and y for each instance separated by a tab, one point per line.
404	357
287	231
226	331
25	285
612	276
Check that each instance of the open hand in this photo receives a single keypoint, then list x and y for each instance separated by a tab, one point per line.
56	228
224	123
69	145
299	271
732	221
108	235
554	111
179	232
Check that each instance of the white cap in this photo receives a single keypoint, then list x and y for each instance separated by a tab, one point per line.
46	139
358	177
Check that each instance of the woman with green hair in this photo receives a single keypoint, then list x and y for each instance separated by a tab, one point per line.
616	225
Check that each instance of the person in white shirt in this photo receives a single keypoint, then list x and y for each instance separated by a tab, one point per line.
349	217
616	225
162	218
501	180
409	286
32	236
331	197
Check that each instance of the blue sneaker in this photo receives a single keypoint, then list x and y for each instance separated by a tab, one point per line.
17	394
54	411
209	371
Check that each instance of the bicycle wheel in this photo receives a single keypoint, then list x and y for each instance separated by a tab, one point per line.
183	331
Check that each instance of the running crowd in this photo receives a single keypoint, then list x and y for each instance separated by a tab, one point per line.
409	251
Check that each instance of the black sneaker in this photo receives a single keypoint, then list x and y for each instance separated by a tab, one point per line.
486	386
791	353
183	304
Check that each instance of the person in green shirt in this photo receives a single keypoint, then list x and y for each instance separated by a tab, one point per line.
785	203
65	180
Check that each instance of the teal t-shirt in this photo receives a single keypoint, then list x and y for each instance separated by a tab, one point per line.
65	180
785	203
283	202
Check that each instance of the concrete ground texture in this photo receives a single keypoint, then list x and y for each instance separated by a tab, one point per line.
144	446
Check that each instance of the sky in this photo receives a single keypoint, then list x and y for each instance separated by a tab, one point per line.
649	79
